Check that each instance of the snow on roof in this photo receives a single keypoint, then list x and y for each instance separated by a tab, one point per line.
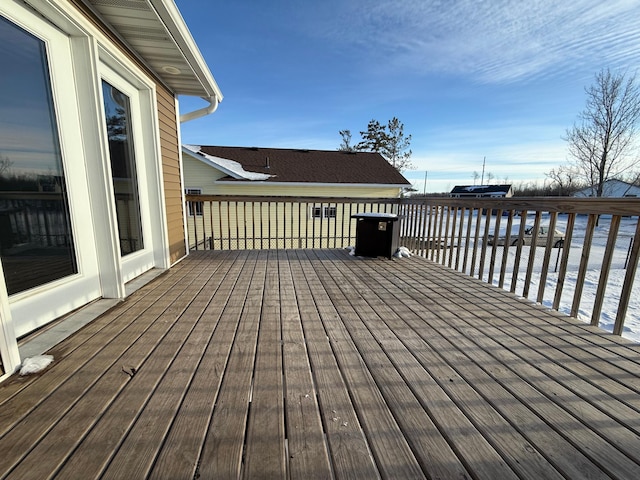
230	167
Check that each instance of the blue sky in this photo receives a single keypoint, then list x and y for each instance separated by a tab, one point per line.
469	78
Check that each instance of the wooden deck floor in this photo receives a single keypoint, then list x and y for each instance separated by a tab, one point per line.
313	365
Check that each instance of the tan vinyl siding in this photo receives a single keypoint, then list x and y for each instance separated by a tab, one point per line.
308	191
171	173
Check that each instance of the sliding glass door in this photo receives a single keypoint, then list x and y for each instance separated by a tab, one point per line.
41	176
124	134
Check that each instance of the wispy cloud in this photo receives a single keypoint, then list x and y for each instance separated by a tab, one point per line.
494	41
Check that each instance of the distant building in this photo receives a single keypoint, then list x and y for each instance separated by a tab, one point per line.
285	172
611	189
481	191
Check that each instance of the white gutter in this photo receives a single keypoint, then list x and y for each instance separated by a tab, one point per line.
208	110
169	14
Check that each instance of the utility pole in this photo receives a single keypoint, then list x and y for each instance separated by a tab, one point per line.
424	191
484	160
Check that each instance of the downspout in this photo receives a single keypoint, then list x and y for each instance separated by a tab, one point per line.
208	110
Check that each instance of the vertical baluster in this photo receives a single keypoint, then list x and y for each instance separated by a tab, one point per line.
505	248
564	262
516	263
604	271
476	236
553	216
584	263
494	248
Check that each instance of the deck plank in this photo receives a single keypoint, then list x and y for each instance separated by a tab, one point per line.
221	456
461	355
73	386
547	400
389	446
100	420
265	442
308	451
137	453
438	454
349	449
179	456
314	364
80	347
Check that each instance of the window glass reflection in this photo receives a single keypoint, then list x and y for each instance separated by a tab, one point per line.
36	242
123	168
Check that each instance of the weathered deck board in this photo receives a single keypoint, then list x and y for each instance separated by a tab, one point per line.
308	451
314	364
107	401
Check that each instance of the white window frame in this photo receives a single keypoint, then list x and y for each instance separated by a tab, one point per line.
199	210
35	306
322	211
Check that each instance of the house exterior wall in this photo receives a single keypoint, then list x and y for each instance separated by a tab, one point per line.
243	225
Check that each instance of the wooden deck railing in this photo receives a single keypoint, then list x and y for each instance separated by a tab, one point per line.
459	233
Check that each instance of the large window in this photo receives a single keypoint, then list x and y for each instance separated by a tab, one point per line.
36	241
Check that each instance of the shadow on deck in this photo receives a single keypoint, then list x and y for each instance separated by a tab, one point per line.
314	364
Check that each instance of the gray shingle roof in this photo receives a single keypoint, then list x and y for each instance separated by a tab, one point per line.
311	166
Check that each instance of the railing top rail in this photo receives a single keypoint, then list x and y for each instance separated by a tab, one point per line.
288	199
598	206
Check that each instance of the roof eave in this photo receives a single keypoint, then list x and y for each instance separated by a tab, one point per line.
314	184
193	77
175	25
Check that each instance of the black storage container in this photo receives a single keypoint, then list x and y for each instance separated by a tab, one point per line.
377	234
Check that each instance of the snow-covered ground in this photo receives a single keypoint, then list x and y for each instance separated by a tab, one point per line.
615	279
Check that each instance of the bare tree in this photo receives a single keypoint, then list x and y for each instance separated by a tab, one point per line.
602	141
475	176
490	177
564	180
345	145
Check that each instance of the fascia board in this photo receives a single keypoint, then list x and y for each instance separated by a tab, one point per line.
313	184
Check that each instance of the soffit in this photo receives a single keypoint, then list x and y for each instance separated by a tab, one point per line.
155	30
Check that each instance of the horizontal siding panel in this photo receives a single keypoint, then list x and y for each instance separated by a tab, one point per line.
171	173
